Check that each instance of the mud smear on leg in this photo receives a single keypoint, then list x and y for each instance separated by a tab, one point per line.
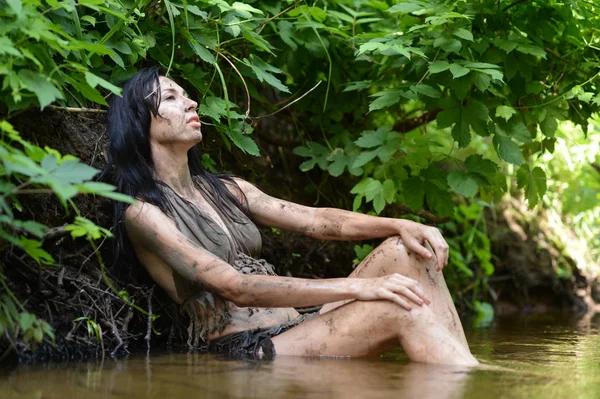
430	276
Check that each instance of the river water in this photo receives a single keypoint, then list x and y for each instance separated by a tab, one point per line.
536	356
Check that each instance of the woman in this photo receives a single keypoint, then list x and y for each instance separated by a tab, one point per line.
192	232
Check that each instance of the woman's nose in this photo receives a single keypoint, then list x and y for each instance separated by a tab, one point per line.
191	105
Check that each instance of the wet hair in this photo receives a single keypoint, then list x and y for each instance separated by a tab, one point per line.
130	164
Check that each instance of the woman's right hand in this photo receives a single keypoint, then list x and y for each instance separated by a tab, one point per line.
394	287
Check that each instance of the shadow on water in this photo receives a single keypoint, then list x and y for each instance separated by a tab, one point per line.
542	356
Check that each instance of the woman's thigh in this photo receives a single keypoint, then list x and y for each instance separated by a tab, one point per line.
355	329
370	328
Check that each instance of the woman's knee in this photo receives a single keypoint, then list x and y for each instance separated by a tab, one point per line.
393	317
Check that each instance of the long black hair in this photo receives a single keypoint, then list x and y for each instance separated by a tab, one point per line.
130	160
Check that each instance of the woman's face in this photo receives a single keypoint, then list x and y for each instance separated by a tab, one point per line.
177	121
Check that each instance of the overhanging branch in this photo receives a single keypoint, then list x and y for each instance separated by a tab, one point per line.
406	125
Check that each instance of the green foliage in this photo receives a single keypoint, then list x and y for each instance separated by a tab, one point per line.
361	252
15	323
93	329
470	256
502	72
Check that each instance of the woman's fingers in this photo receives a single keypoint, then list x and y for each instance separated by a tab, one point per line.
390	296
409	288
440	247
414	245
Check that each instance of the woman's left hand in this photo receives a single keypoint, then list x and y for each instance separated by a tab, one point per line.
414	236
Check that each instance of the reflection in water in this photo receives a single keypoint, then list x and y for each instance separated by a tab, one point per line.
544	358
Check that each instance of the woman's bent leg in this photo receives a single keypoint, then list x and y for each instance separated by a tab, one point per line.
393	257
370	328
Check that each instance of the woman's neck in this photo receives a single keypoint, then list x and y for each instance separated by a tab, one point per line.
172	168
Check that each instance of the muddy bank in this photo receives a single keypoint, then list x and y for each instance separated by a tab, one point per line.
538	263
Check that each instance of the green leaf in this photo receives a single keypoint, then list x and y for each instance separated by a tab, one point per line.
413	191
458	70
196	11
26	320
358	86
494	73
548	126
506	112
16	6
448	44
534	182
104	190
371	46
480	65
426	90
71	171
372	138
439	200
94	81
517	130
385	99
507	149
238	134
262	70
257	39
481	80
367	187
506	45
586	97
339	161
318	154
462	183
216	108
389	190
405	8
45	91
246	7
477	164
286	33
438	66
531	49
475	115
88	92
200	50
463	34
364	158
6	47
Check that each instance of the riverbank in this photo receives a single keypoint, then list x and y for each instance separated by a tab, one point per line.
538	264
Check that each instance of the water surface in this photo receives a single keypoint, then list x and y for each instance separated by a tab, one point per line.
537	356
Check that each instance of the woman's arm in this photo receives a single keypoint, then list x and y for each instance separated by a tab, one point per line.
338	224
152	231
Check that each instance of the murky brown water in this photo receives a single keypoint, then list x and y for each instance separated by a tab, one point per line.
542	357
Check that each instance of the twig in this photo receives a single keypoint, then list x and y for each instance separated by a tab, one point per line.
149	329
242	78
261	27
77	110
61	276
55	232
405	126
555	54
285	106
92	254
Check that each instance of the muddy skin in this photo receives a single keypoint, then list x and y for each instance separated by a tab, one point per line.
332	225
454	322
430	277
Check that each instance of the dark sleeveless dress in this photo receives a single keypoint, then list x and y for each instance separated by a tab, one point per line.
240	248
